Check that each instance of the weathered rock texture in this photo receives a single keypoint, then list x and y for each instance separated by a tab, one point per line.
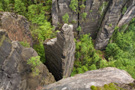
102	16
15	73
95	77
94	8
17	27
113	18
60	53
59	9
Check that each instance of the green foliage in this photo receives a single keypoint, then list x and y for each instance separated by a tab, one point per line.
74	5
20	7
110	86
103	7
34	11
124	10
79	28
87	58
34	62
122	51
82	6
65	18
84	15
25	44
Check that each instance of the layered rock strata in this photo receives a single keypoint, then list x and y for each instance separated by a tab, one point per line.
16	26
96	77
60	53
15	73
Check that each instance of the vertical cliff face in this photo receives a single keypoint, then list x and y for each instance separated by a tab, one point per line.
15	73
97	17
95	12
17	27
113	18
60	53
59	9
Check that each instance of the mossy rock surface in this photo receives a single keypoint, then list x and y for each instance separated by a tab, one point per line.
114	86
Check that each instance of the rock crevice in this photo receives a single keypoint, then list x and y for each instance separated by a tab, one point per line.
60	53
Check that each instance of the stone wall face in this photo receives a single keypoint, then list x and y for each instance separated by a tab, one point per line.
60	53
15	73
16	26
95	77
102	16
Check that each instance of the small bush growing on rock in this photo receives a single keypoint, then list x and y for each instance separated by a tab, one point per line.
74	5
65	18
84	15
34	62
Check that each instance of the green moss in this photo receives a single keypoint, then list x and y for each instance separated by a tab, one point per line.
102	7
2	39
110	86
74	5
93	88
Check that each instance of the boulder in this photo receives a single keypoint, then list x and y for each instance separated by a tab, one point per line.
96	77
59	53
15	73
16	26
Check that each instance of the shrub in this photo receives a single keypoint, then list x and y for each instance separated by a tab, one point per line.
65	18
34	62
74	5
84	15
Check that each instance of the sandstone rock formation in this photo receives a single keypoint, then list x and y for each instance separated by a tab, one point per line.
94	8
97	17
17	27
95	77
113	19
59	9
15	73
60	53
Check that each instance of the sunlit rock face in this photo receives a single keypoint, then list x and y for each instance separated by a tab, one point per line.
59	53
96	77
15	73
16	26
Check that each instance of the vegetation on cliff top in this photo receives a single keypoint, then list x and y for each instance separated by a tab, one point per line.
119	53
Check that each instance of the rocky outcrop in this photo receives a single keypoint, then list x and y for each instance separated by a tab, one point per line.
15	73
96	77
93	8
97	17
59	9
60	53
114	17
17	27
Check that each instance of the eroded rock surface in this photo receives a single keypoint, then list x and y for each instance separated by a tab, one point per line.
114	17
60	53
95	77
15	73
16	26
93	8
59	9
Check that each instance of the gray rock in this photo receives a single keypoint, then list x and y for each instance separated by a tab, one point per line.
96	77
16	26
111	20
15	73
59	9
95	10
60	53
